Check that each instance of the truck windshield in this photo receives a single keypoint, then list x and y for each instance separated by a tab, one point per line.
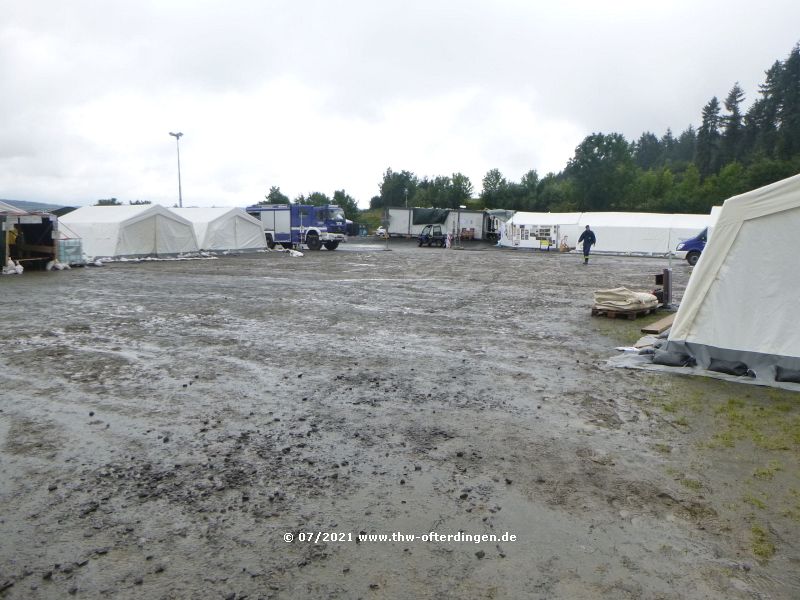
335	214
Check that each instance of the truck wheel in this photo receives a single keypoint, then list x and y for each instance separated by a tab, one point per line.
313	242
693	257
270	243
331	245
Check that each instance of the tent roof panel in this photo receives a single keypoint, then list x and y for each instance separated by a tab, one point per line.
106	214
7	208
540	218
197	214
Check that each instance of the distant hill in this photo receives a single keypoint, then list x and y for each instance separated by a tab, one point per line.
33	206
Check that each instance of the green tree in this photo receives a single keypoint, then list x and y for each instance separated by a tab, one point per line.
707	149
108	202
685	146
346	202
761	121
316	199
668	143
556	193
686	194
647	151
460	190
529	185
732	126
397	189
764	171
139	202
437	192
275	197
601	170
650	191
731	181
494	186
789	107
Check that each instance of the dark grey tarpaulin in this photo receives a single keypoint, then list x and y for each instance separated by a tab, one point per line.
429	216
645	362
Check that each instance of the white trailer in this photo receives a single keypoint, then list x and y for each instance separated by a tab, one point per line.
468	223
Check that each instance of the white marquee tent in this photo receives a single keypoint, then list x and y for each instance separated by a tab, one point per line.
219	229
528	229
7	208
739	310
616	232
131	231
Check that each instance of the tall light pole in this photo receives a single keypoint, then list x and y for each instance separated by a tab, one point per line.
177	137
405	191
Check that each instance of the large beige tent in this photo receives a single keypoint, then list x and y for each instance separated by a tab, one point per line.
222	229
739	311
131	231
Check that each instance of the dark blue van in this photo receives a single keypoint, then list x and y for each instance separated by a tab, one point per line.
694	246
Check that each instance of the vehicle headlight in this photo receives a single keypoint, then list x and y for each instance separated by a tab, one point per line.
680	246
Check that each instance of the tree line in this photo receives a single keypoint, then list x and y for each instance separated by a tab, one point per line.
340	198
731	152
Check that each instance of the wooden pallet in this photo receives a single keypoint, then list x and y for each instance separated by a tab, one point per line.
622	314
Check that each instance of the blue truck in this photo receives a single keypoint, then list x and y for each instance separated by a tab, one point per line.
694	246
292	225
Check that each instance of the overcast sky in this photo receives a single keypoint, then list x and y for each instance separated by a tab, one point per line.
314	95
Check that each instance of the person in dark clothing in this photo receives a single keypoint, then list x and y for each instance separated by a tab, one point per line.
588	238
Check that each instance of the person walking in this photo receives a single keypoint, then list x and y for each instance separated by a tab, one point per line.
589	239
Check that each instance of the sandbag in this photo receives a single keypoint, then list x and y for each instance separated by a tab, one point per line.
787	375
729	367
673	359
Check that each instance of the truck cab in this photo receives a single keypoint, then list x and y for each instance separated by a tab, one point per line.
694	246
291	225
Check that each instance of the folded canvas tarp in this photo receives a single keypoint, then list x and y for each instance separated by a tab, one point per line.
623	299
740	306
131	231
224	229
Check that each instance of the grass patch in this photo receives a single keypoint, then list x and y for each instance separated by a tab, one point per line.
662	448
768	472
763	548
753	501
692	484
724	439
773	426
624	332
793	510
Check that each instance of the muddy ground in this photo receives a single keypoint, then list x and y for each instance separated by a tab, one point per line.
163	425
